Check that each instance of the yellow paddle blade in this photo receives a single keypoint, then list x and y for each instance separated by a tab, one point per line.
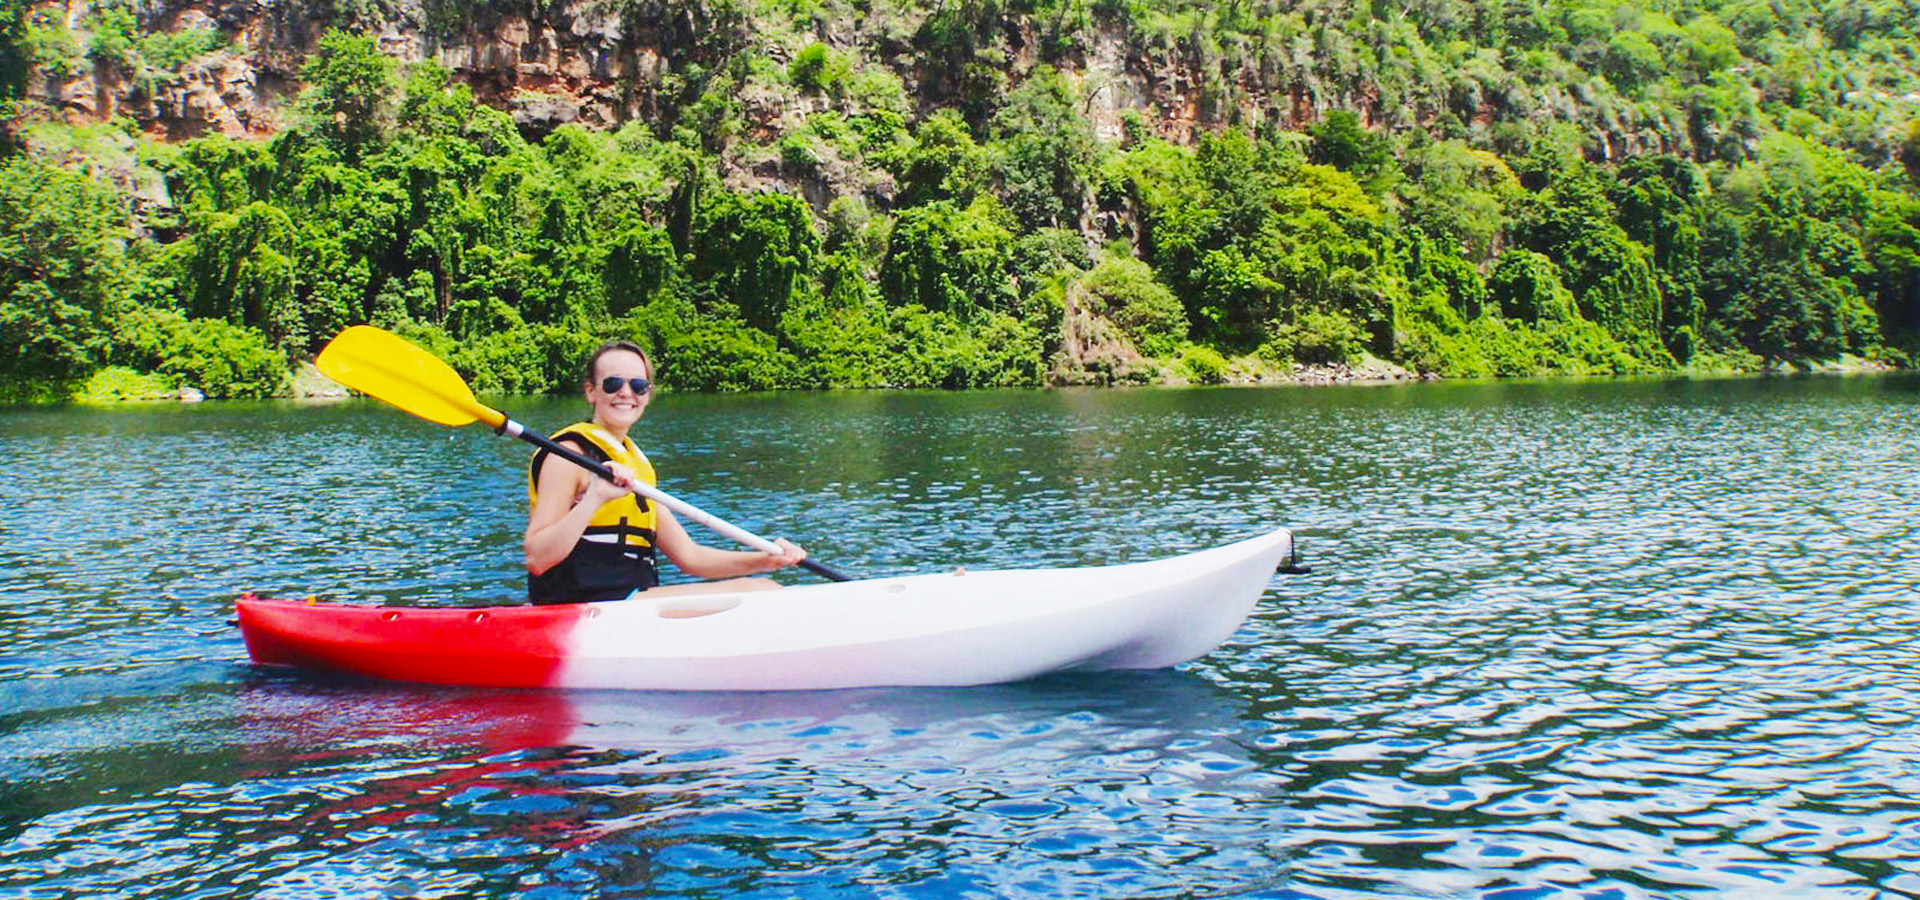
384	365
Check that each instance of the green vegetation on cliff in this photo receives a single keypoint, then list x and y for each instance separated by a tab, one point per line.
849	193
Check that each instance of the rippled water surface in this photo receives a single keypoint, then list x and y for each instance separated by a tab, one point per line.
1639	639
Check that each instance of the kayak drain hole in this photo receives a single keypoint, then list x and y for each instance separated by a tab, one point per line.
695	607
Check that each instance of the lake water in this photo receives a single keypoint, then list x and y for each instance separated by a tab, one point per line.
1610	639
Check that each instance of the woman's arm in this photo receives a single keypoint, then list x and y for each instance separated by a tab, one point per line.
701	561
566	497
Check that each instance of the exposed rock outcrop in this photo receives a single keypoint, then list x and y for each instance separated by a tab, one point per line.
605	62
575	60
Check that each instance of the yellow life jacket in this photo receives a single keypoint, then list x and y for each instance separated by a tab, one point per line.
615	556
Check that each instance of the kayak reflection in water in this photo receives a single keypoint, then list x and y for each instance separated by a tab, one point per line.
591	539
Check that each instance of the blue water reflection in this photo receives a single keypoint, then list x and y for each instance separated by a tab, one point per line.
359	790
1564	640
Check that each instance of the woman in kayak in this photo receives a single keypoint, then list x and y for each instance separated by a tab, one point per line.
591	539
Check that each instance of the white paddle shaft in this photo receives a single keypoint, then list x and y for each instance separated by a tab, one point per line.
727	529
719	525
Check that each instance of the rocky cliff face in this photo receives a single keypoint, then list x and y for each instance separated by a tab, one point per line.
218	92
603	63
595	62
570	63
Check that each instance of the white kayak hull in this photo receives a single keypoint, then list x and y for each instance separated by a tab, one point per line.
947	629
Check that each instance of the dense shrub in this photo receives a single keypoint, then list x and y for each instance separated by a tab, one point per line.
1125	291
718	355
934	348
530	359
216	357
1200	364
951	259
819	68
64	273
119	384
1316	338
841	346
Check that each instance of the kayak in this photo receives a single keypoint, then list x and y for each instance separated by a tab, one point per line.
949	629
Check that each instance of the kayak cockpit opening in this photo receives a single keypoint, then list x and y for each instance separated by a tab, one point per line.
693	607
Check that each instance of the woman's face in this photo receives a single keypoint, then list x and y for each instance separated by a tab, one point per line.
622	407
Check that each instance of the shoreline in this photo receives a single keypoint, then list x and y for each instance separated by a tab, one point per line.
307	385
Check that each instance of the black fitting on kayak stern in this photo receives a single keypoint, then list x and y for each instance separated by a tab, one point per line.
1290	564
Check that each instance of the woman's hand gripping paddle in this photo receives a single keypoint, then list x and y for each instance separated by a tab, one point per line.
386	367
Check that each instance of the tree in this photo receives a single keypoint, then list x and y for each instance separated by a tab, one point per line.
1611	275
349	227
434	104
955	39
1526	286
1250	236
1123	290
1048	151
219	173
350	84
943	162
63	270
1910	151
1659	199
433	180
1771	283
1341	142
641	266
950	259
1632	61
1461	196
1893	244
532	243
1709	47
239	266
14	57
750	251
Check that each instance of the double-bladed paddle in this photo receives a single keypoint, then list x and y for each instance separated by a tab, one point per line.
387	367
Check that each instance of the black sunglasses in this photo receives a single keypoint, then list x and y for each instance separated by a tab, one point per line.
611	384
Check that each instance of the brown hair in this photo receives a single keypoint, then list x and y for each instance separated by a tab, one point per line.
610	346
